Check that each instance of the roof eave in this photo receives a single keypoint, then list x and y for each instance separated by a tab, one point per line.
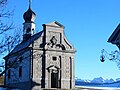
113	37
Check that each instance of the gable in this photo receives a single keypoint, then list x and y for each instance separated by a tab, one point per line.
67	44
56	39
55	24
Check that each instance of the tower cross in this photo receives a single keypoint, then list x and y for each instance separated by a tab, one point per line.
30	1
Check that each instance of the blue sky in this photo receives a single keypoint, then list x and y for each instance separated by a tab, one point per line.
88	25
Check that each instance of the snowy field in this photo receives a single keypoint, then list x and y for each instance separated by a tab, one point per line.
95	88
82	88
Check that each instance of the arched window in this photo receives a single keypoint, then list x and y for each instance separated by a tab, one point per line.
28	30
20	71
9	74
33	29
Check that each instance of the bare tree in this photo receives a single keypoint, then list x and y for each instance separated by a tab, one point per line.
9	34
5	15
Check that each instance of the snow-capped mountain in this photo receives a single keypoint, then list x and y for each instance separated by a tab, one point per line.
83	80
109	80
102	80
118	79
98	80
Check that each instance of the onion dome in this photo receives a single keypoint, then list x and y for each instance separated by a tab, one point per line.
29	15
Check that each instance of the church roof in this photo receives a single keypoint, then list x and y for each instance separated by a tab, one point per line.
25	44
114	35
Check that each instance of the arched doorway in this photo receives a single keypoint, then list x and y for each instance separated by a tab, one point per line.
54	80
54	77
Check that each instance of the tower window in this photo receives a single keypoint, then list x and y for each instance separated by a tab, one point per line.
20	71
28	30
54	58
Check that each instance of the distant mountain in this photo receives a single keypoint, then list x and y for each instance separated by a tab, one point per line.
109	80
98	80
83	80
118	79
102	80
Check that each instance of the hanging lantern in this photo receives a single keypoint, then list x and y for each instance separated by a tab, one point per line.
102	58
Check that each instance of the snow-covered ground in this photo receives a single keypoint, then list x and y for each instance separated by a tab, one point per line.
96	88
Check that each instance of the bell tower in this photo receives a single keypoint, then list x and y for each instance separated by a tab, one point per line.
29	25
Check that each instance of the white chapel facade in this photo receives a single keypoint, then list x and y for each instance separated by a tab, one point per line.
42	60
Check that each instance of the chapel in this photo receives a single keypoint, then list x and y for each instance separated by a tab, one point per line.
42	60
